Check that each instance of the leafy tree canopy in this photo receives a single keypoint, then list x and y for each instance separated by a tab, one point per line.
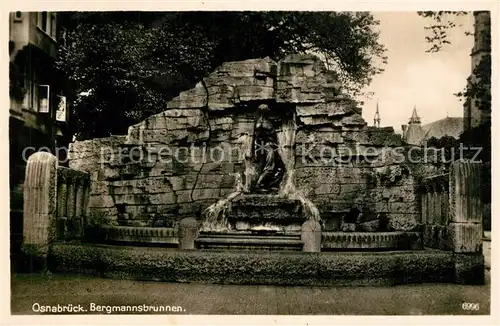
128	64
443	142
441	23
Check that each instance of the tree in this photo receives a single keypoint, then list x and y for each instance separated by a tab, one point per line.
447	145
122	71
442	23
123	67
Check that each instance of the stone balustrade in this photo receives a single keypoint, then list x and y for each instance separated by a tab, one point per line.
466	221
396	240
452	213
73	189
434	199
55	207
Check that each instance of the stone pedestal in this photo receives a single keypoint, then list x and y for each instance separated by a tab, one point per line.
40	209
311	236
188	232
466	218
266	213
261	222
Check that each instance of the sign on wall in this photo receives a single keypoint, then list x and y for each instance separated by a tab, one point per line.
61	108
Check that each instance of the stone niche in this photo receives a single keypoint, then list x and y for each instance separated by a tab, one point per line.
178	162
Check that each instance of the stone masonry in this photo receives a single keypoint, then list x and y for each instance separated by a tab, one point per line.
176	163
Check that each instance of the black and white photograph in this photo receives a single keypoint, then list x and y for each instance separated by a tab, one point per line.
265	162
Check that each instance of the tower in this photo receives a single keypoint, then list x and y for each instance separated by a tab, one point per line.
376	118
474	115
413	132
415	119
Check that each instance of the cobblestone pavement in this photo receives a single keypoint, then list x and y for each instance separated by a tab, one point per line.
426	299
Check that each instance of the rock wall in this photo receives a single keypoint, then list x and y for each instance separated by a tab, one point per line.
176	163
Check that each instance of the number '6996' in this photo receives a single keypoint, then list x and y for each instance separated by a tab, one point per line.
470	306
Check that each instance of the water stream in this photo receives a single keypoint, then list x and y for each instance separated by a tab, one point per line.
216	215
286	142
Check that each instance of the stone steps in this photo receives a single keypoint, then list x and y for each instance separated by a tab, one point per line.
247	241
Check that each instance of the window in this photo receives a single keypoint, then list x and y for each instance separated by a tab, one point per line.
46	21
43	98
53	24
18	16
43	23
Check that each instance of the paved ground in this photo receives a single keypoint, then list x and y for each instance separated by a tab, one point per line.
424	299
421	299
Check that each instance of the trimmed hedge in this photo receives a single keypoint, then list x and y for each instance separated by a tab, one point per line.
243	267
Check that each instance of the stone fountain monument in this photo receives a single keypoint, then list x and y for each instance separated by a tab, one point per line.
266	211
293	156
259	155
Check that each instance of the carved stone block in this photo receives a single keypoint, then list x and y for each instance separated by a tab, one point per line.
311	236
188	232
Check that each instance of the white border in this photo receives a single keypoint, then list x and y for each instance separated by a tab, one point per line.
343	5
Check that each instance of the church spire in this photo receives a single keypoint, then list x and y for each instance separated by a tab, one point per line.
415	119
376	118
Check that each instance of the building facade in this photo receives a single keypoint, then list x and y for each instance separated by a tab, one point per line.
38	112
414	133
474	113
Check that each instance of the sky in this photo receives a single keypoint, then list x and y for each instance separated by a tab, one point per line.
414	77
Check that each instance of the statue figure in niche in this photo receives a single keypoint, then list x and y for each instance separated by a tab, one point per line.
270	167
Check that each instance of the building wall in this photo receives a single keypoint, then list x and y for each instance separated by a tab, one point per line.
33	52
39	50
44	38
26	30
19	29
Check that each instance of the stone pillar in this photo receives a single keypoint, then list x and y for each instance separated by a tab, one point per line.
62	193
70	199
188	232
70	206
424	198
432	206
446	205
311	236
466	218
79	198
85	209
77	222
40	209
